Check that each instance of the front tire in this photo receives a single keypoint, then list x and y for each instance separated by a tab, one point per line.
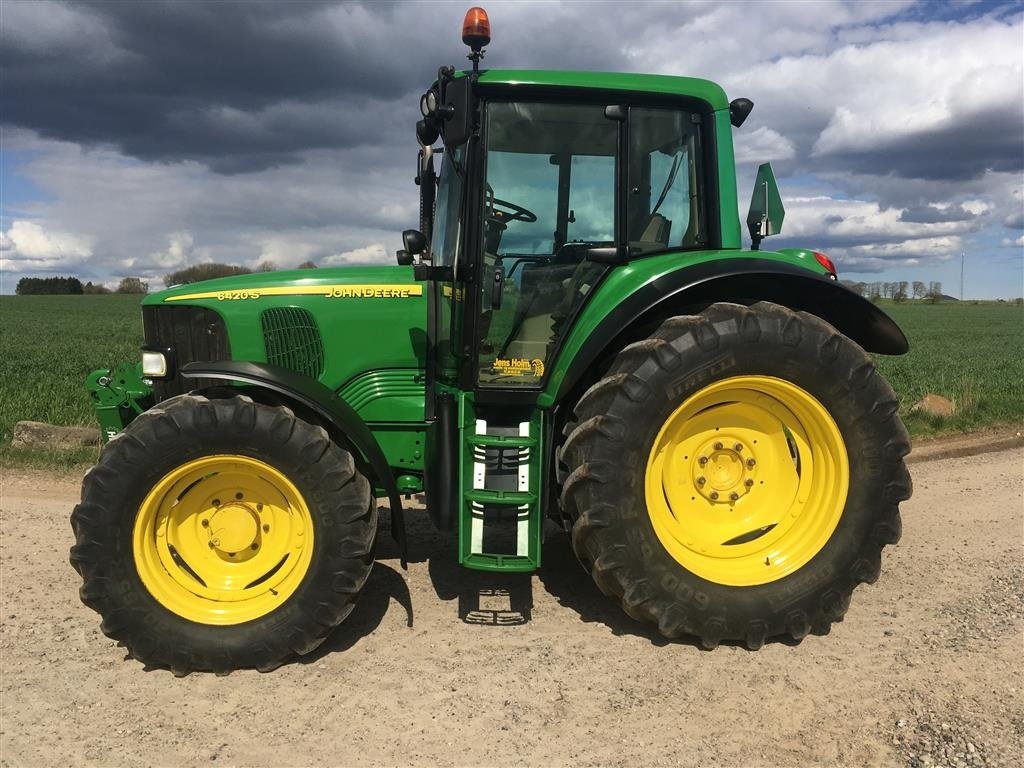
736	475
220	534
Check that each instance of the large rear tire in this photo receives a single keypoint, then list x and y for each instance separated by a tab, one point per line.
216	534
736	475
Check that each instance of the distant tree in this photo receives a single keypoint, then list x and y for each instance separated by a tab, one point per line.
266	266
307	265
901	291
39	286
132	285
198	272
934	294
95	289
917	289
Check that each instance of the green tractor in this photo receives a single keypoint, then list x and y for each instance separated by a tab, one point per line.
574	332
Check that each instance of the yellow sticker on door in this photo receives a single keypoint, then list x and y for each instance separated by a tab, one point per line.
519	366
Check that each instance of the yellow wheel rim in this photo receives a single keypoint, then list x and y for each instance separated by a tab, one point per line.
747	480
223	540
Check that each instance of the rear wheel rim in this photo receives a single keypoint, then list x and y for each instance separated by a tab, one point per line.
223	540
747	480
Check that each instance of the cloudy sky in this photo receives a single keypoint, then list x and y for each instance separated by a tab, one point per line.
142	137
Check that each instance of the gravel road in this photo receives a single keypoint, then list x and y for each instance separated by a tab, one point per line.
439	665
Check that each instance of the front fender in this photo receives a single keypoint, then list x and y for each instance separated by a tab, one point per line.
326	404
743	281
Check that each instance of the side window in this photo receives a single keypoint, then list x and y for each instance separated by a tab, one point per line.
447	221
663	201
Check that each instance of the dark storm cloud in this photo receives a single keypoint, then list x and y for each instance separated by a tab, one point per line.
974	145
239	86
929	214
236	86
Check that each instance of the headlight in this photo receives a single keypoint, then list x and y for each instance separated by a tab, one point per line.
154	364
428	103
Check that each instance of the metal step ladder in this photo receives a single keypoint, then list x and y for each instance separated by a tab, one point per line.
500	521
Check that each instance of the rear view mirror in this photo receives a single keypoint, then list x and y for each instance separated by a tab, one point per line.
414	241
766	209
455	113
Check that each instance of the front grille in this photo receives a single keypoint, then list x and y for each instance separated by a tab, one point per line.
195	334
293	340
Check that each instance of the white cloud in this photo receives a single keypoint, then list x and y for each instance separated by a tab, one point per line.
29	247
370	254
861	220
762	145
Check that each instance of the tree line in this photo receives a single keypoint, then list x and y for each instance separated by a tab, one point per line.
68	286
897	290
72	286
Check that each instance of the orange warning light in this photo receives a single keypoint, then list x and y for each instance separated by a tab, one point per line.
476	28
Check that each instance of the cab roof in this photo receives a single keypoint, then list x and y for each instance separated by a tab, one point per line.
691	87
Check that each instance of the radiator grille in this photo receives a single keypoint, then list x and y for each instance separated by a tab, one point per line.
293	340
195	334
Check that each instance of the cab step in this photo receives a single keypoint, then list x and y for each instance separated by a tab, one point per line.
500	522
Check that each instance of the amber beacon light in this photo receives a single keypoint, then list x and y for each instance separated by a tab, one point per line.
476	28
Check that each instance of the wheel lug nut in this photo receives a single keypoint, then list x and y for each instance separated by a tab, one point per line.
714	495
733	496
702	460
238	495
718	446
211	545
266	528
751	463
701	480
748	482
738	447
254	546
216	502
206	523
259	507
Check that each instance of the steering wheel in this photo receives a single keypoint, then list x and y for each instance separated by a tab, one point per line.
512	211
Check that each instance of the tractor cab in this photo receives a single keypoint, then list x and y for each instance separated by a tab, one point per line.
544	183
534	188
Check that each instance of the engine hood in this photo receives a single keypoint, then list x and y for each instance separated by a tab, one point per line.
332	282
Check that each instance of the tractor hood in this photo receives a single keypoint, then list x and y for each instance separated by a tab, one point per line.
331	324
368	282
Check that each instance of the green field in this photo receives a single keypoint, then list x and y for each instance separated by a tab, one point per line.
48	345
970	353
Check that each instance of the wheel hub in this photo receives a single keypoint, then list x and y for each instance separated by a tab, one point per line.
723	469
233	528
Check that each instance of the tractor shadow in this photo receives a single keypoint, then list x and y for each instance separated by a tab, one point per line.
483	598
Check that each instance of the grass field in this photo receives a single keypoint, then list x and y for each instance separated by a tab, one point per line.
48	345
970	353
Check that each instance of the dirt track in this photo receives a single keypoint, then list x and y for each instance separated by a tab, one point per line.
927	668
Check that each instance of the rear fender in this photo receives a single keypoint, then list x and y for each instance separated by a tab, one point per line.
743	281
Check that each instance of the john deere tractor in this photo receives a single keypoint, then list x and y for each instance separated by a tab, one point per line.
573	332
